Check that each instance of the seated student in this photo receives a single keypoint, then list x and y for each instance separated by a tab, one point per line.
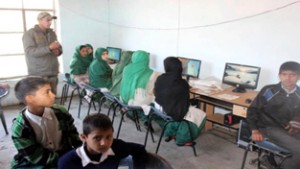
90	52
117	72
172	94
138	82
79	65
100	149
99	71
275	114
41	132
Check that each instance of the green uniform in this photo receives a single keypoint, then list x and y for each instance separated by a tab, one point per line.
99	71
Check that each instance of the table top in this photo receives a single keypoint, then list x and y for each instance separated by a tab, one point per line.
227	95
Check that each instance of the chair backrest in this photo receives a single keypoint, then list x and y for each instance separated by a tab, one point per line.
160	114
244	135
155	161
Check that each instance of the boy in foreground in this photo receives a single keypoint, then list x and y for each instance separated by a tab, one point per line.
42	132
100	149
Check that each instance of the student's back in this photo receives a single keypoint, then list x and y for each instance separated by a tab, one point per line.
135	75
118	71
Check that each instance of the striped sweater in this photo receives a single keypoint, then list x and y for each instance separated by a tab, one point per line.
30	152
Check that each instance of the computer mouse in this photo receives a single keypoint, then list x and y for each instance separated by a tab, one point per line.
248	100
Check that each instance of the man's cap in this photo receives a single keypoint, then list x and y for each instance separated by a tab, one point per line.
45	15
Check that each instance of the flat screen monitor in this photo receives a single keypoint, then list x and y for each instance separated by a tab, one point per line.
241	76
190	67
114	53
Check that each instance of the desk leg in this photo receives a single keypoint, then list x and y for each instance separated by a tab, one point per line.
209	110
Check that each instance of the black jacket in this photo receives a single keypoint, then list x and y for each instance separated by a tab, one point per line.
273	106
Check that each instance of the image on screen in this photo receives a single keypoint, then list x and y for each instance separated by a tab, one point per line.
242	76
114	53
190	67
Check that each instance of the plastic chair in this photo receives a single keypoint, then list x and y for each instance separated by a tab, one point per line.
244	134
124	108
155	112
3	92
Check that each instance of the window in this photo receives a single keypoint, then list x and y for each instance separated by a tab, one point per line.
16	17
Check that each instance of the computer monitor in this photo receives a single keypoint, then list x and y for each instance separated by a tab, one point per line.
114	53
190	67
241	76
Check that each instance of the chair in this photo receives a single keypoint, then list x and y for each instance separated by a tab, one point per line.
155	112
124	108
244	141
3	92
94	92
65	90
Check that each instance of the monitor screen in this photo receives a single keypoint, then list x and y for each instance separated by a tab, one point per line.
241	76
114	53
190	67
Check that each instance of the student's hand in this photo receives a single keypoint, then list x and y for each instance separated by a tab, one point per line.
257	136
293	127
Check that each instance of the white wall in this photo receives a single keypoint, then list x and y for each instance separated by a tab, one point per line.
212	31
262	33
82	22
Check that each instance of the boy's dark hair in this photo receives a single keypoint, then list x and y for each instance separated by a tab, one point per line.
290	65
96	121
28	86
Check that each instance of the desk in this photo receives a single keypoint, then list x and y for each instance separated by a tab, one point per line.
235	102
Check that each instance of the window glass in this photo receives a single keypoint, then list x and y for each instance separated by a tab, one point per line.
11	44
38	4
11	3
12	56
13	66
11	21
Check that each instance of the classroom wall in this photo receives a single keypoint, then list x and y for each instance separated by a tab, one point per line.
259	32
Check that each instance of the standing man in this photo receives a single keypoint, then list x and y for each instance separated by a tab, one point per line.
275	113
42	49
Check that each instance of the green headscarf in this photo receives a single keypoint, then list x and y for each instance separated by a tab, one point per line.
135	75
79	65
91	55
117	72
99	71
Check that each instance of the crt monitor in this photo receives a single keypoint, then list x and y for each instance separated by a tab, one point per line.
190	67
114	53
241	76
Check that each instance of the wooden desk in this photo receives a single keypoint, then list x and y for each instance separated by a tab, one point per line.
211	99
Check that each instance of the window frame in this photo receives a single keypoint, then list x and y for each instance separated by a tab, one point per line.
23	12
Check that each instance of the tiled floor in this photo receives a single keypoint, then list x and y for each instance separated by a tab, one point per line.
214	152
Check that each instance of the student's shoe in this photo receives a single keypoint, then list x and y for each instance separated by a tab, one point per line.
187	144
168	139
268	161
